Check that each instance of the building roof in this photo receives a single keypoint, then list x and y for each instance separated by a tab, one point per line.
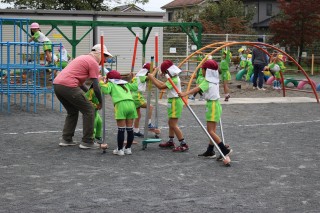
78	13
182	3
126	8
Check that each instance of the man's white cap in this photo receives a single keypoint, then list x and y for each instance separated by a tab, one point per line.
97	48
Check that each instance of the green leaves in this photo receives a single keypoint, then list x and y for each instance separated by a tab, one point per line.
96	5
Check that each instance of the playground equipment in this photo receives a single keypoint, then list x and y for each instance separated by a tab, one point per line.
22	71
241	74
214	48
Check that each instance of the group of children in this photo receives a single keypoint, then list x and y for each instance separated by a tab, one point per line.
275	66
128	96
225	74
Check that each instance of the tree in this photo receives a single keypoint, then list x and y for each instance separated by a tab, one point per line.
298	24
226	16
97	5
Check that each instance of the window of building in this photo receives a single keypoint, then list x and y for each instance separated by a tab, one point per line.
269	9
170	16
246	10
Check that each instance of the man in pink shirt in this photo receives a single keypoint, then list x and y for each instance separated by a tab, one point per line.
69	87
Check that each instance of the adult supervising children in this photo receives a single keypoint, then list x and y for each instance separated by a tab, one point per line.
259	61
70	88
210	88
174	105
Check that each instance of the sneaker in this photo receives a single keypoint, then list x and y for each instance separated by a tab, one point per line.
261	88
220	158
67	143
91	145
167	145
138	134
118	152
151	126
98	140
227	98
181	148
201	98
191	98
254	88
127	151
208	154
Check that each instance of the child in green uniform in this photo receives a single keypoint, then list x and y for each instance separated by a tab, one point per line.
199	79
249	67
210	88
243	58
38	36
174	105
276	66
124	109
63	58
90	95
225	72
140	79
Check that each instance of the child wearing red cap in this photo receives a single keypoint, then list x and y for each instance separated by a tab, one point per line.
210	88
124	109
175	105
140	79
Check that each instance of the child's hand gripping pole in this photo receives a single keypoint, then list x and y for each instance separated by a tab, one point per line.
226	159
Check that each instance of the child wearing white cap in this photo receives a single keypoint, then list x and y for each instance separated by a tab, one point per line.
141	80
175	105
210	88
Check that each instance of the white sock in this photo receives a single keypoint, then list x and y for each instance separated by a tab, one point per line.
136	130
149	121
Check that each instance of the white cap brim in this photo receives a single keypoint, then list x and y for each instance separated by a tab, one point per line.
212	76
107	53
142	72
174	70
118	81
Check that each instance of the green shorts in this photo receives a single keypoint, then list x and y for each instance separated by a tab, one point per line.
213	110
125	110
63	64
47	45
139	100
277	75
174	107
225	76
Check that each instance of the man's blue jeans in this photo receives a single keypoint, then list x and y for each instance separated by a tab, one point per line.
258	73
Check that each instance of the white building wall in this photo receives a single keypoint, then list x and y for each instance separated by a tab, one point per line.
119	40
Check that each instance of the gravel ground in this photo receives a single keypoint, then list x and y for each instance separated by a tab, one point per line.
275	164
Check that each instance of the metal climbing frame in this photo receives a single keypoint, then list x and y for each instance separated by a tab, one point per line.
23	76
214	48
193	30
